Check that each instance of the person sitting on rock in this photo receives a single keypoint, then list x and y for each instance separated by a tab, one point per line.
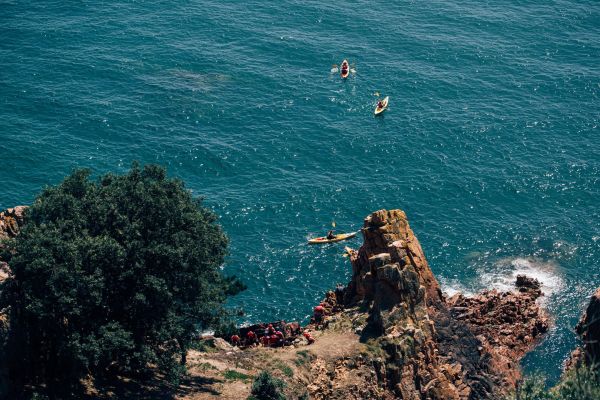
330	235
235	340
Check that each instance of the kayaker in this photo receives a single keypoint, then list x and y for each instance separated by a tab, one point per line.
330	235
380	104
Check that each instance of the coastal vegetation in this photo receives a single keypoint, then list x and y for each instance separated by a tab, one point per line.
110	276
581	383
267	387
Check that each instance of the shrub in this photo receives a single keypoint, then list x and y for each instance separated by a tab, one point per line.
267	387
532	388
582	383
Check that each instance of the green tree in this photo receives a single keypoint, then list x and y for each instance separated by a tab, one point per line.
113	274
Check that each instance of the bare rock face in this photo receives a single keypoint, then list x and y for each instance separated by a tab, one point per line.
588	330
506	324
390	249
11	221
463	348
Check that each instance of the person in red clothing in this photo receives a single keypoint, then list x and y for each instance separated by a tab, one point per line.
250	338
318	313
235	340
265	341
308	337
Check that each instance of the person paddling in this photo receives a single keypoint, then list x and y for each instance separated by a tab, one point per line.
344	68
330	235
379	104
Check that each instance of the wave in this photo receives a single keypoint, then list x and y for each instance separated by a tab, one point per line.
504	274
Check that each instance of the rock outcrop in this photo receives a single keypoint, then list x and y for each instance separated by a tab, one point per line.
11	221
506	324
588	330
461	348
391	333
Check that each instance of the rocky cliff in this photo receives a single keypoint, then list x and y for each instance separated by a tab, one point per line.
461	348
588	330
390	333
11	221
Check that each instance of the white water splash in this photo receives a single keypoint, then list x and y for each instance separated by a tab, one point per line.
504	274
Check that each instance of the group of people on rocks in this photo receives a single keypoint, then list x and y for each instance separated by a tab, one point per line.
276	334
279	334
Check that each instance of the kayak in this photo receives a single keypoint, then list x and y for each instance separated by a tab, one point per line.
342	73
379	110
338	238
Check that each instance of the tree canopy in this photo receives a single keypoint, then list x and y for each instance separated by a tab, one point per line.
111	274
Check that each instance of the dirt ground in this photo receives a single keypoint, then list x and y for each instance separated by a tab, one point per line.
228	374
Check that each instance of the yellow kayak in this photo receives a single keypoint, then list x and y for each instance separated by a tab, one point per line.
379	110
338	238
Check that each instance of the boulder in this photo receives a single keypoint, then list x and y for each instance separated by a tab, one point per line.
11	221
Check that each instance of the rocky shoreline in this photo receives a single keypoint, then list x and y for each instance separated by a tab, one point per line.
391	332
438	348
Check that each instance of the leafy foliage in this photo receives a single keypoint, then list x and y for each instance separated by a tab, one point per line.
111	275
582	383
532	388
267	387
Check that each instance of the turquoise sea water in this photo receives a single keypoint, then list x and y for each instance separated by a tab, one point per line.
491	142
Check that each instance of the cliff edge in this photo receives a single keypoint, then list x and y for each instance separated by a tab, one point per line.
392	334
437	348
588	330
